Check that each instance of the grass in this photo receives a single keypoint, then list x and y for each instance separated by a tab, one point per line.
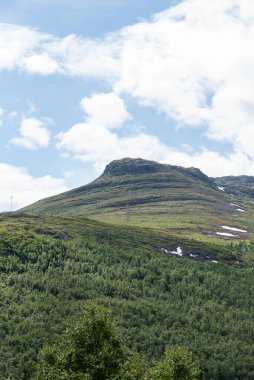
165	198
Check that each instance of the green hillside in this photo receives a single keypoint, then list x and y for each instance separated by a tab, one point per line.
163	197
51	265
168	251
241	186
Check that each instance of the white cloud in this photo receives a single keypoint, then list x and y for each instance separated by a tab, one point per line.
18	42
212	163
194	62
25	189
78	56
40	64
93	141
105	109
33	134
96	143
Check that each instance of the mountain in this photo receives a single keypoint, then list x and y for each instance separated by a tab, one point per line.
145	193
142	239
240	186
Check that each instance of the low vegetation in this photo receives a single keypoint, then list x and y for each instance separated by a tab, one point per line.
143	193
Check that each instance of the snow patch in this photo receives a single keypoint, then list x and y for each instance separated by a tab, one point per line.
240	210
225	234
191	255
233	229
178	252
221	188
234	204
214	261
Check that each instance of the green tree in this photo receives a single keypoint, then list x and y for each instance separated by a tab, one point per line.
89	350
177	365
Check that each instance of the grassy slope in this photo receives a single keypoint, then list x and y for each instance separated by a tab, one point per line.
29	226
147	194
241	186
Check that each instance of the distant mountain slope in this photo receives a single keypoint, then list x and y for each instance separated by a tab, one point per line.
145	193
240	186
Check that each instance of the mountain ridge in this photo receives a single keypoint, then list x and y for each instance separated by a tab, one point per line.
146	193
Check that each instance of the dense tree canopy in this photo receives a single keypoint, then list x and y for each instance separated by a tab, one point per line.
157	301
92	349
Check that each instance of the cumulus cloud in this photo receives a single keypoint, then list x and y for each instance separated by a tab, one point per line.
40	64
94	141
213	164
25	189
18	43
32	134
193	62
98	145
79	56
105	109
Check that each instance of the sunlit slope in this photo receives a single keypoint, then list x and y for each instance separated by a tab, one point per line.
145	193
28	227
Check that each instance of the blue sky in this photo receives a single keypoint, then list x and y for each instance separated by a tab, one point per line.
83	83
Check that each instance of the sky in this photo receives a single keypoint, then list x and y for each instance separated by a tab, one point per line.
83	83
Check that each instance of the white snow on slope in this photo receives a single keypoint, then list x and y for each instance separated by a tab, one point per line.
226	234
221	188
234	204
240	210
178	252
233	229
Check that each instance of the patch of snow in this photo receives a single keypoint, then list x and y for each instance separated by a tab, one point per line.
164	250
233	204
225	234
214	261
240	210
221	188
178	252
233	229
191	255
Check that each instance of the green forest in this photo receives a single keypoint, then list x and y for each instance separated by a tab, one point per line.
157	300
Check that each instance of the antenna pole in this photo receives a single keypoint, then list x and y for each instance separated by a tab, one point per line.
11	198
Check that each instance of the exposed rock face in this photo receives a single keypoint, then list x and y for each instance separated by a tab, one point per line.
133	166
137	166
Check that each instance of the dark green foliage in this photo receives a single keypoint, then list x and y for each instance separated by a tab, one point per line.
158	300
92	349
177	365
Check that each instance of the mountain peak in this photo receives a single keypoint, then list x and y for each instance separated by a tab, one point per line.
132	166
